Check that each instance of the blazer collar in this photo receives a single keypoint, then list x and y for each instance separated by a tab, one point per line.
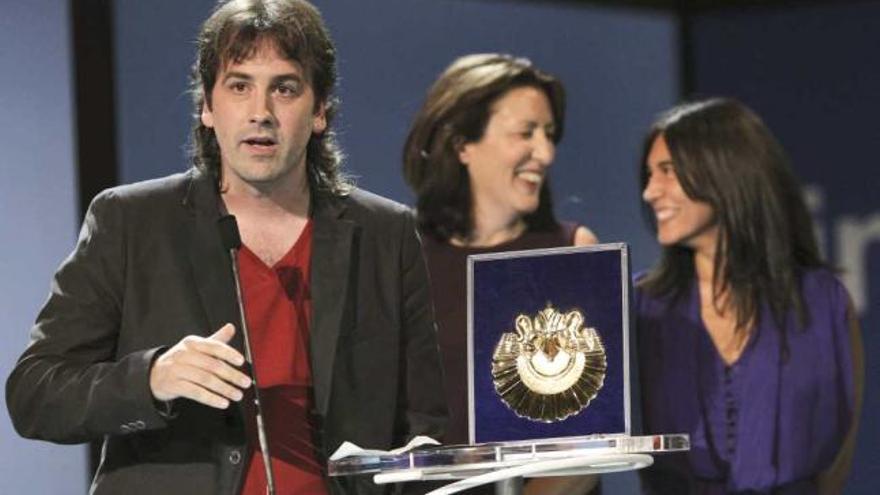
200	194
210	263
333	265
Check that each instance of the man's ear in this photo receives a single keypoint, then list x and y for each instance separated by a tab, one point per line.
319	122
207	116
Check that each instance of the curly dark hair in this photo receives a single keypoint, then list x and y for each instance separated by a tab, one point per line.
455	112
726	156
234	32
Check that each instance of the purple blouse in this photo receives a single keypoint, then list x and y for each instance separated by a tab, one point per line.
761	423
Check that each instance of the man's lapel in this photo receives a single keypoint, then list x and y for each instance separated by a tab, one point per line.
331	266
210	262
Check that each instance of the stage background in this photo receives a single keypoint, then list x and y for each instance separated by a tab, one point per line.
39	219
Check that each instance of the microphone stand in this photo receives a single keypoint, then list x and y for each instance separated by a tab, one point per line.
232	242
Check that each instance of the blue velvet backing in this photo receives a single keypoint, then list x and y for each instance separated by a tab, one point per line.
502	289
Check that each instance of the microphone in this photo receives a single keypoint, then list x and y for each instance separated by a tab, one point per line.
232	242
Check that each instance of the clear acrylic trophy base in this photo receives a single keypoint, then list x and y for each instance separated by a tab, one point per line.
489	463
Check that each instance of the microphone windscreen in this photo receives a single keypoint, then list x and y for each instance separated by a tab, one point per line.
229	232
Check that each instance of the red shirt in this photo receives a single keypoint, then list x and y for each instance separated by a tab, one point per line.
278	307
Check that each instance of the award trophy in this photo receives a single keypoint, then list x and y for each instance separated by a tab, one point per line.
549	376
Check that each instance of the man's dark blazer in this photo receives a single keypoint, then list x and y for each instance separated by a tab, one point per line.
149	268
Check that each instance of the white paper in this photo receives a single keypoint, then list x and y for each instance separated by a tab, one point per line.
348	449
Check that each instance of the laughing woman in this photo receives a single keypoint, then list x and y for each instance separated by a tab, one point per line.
477	157
747	340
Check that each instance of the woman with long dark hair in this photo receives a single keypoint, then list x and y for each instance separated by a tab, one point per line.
477	157
747	340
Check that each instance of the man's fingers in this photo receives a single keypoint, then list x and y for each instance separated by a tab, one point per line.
192	377
201	369
192	391
210	381
216	367
218	346
224	334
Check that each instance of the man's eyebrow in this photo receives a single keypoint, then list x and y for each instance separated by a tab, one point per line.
290	76
236	75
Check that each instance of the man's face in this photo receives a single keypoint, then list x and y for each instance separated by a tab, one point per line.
263	112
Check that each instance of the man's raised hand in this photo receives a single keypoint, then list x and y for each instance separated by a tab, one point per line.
203	369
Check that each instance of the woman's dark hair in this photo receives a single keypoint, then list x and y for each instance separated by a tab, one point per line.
726	156
456	112
233	33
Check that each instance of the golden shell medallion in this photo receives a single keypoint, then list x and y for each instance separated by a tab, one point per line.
551	367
